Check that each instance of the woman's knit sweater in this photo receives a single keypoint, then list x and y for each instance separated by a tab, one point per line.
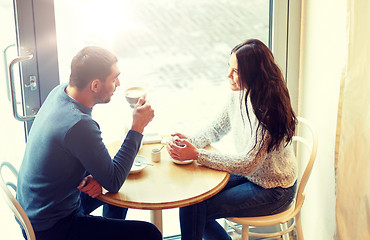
278	168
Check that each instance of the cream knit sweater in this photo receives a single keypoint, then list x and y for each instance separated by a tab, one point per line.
273	169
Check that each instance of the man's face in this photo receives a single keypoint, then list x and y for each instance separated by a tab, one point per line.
109	86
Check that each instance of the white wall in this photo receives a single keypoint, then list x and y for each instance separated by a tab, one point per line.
323	50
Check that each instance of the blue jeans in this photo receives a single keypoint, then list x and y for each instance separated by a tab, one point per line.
239	198
89	204
80	225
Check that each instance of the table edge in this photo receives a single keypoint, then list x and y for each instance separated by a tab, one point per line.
167	205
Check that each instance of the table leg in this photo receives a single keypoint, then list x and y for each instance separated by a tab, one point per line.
156	219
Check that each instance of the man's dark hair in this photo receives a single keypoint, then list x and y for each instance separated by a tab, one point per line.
91	63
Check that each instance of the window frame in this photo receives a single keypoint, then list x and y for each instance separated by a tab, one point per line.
285	43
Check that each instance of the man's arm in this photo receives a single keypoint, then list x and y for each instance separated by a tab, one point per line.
86	144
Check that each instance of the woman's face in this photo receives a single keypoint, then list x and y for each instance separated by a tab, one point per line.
233	73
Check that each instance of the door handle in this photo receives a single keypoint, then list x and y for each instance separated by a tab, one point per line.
6	69
32	85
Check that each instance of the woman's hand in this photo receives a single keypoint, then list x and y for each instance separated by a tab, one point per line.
179	135
90	186
181	149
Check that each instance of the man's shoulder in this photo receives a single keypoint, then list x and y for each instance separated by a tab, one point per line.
57	90
55	97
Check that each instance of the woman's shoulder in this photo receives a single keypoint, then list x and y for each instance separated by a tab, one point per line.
284	149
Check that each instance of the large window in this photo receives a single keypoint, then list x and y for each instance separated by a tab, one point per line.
177	50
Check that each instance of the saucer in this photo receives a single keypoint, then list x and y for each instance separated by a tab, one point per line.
184	162
139	164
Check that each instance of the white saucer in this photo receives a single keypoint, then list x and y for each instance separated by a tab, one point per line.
182	162
140	163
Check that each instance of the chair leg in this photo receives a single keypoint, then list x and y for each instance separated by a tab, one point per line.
245	232
298	226
283	227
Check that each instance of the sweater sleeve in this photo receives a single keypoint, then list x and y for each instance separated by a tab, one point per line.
242	164
213	132
85	143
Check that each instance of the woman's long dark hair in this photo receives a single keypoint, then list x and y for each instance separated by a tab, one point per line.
261	79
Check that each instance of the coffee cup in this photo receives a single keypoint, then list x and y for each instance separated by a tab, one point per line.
133	95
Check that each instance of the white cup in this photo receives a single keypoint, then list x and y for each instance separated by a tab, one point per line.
133	94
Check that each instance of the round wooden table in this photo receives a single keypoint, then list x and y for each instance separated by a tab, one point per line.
165	184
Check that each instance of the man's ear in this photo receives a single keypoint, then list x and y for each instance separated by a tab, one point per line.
95	85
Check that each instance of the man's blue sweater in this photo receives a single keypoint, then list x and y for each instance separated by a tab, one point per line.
64	145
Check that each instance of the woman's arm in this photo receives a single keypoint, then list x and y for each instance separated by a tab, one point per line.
242	164
215	131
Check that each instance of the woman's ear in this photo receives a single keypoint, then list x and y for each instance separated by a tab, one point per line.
95	85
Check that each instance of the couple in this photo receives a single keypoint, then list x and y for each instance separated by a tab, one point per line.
66	162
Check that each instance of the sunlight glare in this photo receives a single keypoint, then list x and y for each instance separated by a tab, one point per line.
103	20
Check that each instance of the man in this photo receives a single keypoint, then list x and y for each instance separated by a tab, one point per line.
65	154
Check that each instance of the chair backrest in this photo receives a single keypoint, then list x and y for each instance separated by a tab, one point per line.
310	142
12	202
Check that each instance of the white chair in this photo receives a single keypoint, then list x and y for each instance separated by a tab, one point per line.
12	202
292	215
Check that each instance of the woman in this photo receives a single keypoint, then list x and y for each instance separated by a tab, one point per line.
264	171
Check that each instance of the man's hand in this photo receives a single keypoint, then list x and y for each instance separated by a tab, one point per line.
90	186
142	115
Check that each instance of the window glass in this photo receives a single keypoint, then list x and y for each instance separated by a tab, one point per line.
177	50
